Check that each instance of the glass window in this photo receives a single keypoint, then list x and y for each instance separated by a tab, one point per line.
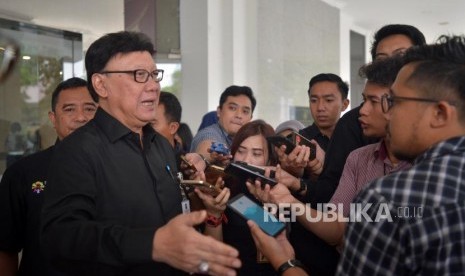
47	57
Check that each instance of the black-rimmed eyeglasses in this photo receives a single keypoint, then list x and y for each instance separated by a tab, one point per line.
141	75
387	101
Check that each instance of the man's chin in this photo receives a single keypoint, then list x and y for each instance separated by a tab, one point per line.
403	155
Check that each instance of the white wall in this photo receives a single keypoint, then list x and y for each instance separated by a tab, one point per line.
273	46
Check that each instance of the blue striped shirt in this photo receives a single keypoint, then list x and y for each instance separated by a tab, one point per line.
214	133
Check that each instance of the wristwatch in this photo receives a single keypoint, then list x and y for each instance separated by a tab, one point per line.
290	264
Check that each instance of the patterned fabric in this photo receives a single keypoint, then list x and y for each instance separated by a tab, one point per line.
362	166
426	232
213	132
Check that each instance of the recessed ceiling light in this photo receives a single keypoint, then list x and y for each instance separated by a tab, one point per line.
26	57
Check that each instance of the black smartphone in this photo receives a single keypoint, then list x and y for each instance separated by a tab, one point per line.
248	209
298	139
239	171
278	141
203	186
256	168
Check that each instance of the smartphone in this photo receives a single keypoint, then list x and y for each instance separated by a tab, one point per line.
237	170
190	166
256	168
203	186
219	148
298	139
212	173
278	141
248	209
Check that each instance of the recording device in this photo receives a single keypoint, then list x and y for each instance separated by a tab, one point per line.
190	166
243	173
212	173
297	139
204	187
256	168
219	148
278	141
248	209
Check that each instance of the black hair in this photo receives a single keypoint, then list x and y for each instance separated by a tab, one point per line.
382	72
439	70
416	37
184	131
342	86
234	90
103	49
173	109
67	84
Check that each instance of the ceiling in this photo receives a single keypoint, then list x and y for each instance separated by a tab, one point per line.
93	18
432	17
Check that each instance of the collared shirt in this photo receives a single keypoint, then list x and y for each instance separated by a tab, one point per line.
346	137
213	132
106	197
320	257
312	132
21	194
427	233
362	166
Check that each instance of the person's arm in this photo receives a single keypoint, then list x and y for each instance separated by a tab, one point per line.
311	219
215	207
8	263
203	149
331	231
180	245
277	250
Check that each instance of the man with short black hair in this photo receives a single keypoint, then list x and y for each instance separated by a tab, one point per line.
168	118
327	95
24	184
422	231
235	109
113	206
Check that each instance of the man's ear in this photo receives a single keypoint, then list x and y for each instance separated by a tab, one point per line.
52	118
345	104
174	126
442	115
98	82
